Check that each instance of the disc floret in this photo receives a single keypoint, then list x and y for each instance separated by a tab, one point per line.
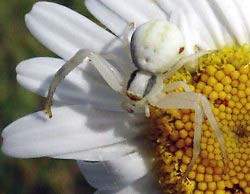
223	77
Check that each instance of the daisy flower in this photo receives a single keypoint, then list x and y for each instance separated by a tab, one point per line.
197	126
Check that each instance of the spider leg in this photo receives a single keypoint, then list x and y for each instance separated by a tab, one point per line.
159	88
186	100
191	60
132	106
110	74
156	91
76	60
126	34
199	117
176	85
201	105
214	124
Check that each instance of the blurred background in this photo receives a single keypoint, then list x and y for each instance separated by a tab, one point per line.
38	176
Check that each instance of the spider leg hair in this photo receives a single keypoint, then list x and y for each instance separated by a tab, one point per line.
109	73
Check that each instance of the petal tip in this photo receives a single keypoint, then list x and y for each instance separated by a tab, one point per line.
43	3
8	151
27	19
4	147
20	66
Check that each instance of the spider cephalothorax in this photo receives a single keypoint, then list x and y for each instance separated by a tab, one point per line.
158	50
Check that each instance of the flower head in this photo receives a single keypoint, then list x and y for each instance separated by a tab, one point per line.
200	118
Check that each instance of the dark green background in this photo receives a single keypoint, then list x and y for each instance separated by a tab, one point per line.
33	176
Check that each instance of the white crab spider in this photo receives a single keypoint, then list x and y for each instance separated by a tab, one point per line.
157	50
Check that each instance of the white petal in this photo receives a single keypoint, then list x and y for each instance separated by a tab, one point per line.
114	174
65	32
203	37
208	17
72	129
209	23
231	17
106	16
79	87
110	152
145	185
117	14
181	21
244	7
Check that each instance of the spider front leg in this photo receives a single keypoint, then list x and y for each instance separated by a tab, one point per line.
202	107
214	124
186	100
109	73
126	34
176	85
159	90
76	60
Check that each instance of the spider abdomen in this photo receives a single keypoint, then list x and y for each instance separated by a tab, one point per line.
156	46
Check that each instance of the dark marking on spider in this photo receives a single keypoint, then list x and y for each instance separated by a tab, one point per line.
181	50
133	97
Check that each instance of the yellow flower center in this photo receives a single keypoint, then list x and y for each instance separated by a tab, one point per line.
224	78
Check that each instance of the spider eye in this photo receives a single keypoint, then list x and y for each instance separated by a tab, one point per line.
140	84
